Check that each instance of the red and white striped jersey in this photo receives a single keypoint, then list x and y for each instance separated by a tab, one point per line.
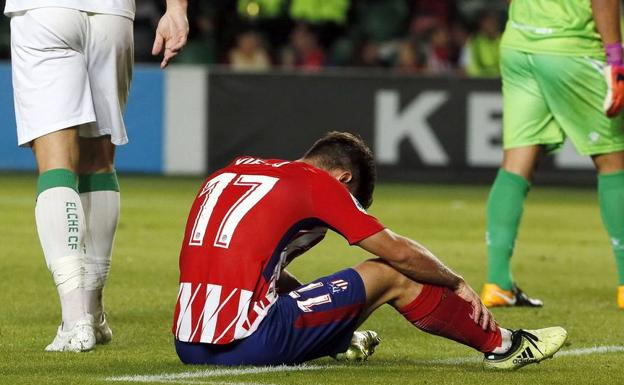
244	223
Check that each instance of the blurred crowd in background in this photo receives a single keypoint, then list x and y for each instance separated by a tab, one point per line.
443	37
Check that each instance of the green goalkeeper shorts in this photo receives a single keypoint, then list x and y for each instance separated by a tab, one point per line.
548	97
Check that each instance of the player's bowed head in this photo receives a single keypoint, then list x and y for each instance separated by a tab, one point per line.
347	158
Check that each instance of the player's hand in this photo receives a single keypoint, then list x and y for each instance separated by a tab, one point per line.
480	313
614	101
171	33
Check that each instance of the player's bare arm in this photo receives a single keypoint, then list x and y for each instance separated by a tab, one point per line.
418	263
172	31
411	259
607	18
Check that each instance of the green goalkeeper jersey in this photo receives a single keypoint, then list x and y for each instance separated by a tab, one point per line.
564	27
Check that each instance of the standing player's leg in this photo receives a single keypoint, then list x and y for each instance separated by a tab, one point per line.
52	102
504	211
439	311
575	94
61	226
109	64
528	127
99	193
611	198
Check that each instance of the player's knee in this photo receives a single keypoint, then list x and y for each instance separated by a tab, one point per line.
522	161
96	155
383	272
609	163
67	273
95	164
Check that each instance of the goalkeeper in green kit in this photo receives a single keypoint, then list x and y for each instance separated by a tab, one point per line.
563	76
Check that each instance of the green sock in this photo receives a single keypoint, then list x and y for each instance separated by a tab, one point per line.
58	177
611	196
504	211
98	182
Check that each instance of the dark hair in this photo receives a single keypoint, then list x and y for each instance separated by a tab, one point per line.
343	150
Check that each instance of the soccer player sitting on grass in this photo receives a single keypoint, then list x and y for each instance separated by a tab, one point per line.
237	305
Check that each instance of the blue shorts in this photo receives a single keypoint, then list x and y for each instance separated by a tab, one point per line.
315	320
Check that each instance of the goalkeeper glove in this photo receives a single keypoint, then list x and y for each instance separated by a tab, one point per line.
614	74
614	101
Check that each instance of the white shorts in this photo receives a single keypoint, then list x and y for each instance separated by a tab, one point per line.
70	68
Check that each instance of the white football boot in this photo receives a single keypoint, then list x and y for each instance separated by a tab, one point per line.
103	333
81	338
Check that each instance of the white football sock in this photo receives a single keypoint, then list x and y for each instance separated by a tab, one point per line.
102	215
60	224
505	342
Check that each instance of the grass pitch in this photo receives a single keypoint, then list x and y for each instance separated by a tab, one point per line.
563	256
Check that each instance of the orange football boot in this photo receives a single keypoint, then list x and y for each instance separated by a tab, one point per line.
493	296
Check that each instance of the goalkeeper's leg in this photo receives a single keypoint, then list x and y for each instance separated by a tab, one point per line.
611	196
504	212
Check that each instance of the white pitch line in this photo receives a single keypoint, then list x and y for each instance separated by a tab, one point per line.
593	350
203	382
563	353
213	373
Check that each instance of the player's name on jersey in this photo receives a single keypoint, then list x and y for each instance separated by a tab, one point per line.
249	160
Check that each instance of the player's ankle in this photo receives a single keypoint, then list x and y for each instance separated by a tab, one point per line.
505	343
